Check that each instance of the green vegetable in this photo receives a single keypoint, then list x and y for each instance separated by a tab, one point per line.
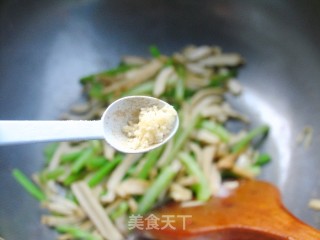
96	162
104	171
96	91
244	142
221	79
70	157
73	178
262	159
122	68
202	188
80	162
87	79
28	185
76	232
169	62
182	136
152	157
154	51
188	93
96	146
49	151
160	184
119	211
53	174
216	129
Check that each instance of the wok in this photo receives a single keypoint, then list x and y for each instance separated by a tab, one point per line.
46	46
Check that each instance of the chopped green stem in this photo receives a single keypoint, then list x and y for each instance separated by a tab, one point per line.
188	93
183	135
53	174
154	51
73	178
217	130
119	211
87	79
49	151
122	68
70	157
96	91
76	232
96	146
202	188
220	80
160	184
28	185
244	142
104	171
81	160
96	162
262	159
169	62
152	157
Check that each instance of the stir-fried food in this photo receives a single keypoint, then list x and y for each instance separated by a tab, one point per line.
90	190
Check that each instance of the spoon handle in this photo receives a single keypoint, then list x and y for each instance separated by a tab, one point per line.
14	132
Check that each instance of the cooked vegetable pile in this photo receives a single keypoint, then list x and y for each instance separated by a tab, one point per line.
89	189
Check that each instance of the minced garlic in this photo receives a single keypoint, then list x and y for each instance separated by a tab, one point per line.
153	126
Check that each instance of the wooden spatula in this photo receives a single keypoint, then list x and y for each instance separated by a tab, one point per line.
252	211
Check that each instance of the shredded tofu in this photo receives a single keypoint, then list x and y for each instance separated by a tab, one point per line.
153	126
180	193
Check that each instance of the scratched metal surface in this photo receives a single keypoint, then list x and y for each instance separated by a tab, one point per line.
45	46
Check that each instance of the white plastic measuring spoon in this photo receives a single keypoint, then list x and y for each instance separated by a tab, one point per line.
109	127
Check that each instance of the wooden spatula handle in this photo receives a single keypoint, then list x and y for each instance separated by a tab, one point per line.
253	211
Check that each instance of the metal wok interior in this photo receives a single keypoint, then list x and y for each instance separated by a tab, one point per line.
46	46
